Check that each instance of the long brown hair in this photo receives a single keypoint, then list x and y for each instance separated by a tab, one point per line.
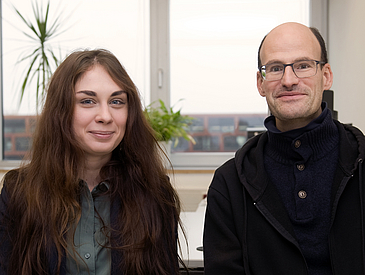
44	193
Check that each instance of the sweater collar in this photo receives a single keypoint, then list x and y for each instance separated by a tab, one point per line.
271	125
315	140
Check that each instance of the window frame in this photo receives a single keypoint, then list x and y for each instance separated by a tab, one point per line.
160	74
160	78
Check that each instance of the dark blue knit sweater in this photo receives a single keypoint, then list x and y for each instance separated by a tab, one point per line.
301	164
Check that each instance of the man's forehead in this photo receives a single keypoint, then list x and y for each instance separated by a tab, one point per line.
286	54
290	42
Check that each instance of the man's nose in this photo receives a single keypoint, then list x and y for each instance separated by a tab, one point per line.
289	77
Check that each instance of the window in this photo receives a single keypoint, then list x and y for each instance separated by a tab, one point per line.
119	26
211	62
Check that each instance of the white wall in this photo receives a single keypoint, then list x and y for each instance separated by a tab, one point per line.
346	45
191	186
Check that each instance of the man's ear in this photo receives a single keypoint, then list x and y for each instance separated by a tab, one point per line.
259	83
327	76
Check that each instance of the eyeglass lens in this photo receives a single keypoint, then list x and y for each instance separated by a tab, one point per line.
302	69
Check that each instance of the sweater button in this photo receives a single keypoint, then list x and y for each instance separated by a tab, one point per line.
302	194
297	143
300	167
87	256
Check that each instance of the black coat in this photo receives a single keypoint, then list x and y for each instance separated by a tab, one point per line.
247	229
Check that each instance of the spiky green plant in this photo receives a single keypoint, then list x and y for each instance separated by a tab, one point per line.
41	57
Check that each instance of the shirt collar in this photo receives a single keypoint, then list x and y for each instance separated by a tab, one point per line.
101	188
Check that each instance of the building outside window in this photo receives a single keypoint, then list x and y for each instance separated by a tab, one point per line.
212	62
213	65
119	26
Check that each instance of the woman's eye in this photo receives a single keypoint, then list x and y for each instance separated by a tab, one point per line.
86	101
117	102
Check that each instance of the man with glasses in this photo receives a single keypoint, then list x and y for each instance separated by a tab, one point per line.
292	201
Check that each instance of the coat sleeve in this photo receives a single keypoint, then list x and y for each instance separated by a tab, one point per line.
221	243
5	246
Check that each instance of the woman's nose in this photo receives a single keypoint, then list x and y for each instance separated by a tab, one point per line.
104	115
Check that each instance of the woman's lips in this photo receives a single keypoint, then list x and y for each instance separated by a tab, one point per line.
102	134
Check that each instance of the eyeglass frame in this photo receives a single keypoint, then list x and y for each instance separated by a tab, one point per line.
291	65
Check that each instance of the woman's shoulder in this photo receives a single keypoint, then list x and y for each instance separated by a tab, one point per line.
8	183
11	178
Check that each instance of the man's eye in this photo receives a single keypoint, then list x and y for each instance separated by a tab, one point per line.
303	66
275	69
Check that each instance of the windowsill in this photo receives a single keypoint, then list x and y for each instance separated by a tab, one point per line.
192	171
199	161
183	163
7	165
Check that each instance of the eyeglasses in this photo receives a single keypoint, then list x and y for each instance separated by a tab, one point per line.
302	69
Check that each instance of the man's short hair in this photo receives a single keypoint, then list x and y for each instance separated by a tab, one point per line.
320	39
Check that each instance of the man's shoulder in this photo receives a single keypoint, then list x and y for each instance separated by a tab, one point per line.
234	164
226	171
226	182
352	142
353	129
352	133
348	127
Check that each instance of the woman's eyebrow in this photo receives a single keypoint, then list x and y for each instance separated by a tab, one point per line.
89	93
118	93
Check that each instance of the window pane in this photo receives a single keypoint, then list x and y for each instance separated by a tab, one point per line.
214	46
119	26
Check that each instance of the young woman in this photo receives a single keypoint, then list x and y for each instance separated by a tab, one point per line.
94	197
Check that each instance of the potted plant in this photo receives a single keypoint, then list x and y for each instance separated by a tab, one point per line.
168	125
40	54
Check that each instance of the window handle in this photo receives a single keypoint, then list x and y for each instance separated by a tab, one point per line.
160	78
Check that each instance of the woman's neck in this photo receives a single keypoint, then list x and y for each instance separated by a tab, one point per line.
91	171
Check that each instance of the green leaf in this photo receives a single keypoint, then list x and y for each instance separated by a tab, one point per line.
167	123
41	57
